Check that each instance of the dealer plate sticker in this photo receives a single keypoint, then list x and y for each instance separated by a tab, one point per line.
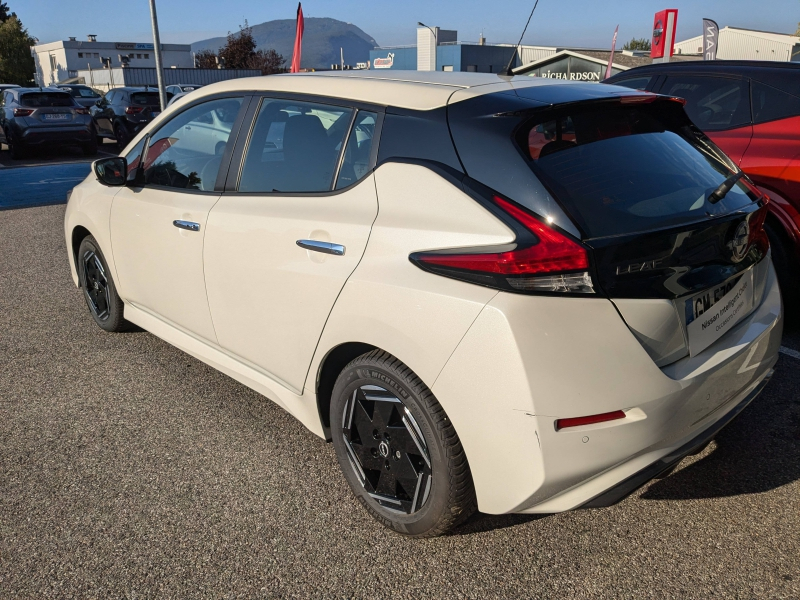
711	314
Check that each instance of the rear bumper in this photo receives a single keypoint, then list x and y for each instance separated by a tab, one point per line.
629	485
56	135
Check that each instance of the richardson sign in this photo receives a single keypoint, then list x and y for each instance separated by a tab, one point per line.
384	63
580	76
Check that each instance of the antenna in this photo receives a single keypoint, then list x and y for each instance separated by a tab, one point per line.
511	60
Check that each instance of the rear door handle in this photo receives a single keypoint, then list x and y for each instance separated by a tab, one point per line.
324	247
190	225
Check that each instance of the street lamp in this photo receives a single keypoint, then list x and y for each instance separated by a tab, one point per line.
435	45
162	96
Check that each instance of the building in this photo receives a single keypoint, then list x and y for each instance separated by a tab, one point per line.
106	79
438	49
59	61
736	43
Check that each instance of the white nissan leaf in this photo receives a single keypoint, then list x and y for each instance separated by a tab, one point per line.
506	294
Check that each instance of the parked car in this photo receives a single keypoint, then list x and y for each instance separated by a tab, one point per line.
5	86
83	94
123	112
176	98
182	88
566	288
751	110
36	117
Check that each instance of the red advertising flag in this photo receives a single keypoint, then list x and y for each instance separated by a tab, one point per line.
611	58
298	41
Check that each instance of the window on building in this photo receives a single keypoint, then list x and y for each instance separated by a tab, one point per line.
294	147
472	68
80	54
138	56
771	104
147	56
447	67
712	103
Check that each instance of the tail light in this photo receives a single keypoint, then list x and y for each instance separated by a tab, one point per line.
23	112
81	111
541	259
133	110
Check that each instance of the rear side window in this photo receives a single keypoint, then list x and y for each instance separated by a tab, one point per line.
712	103
46	99
624	169
147	98
294	147
635	83
771	104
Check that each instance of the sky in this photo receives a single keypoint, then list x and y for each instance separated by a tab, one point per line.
578	23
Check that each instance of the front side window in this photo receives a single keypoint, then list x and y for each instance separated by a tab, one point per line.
712	103
186	153
358	151
294	147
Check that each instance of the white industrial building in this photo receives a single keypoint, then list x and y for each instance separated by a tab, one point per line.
60	61
747	44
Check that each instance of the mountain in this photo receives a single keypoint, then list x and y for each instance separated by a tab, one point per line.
322	39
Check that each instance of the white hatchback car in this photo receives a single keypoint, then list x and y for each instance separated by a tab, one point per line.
510	294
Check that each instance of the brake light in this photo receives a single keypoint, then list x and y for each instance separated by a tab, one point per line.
133	110
589	420
547	261
81	111
23	112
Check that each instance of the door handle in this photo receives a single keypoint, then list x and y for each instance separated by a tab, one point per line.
324	247
191	226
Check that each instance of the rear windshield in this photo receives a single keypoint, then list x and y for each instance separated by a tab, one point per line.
147	98
629	168
45	99
83	92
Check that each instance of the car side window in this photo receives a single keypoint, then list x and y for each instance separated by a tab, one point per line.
712	103
184	155
771	104
294	147
109	97
358	150
635	83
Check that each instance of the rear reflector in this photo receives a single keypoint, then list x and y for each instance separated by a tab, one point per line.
589	420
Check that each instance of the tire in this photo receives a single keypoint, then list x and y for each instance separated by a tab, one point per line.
431	481
99	291
121	135
17	150
89	148
788	271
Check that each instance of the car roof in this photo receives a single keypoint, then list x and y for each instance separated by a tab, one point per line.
741	67
418	90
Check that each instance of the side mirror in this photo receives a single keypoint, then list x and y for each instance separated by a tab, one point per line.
111	171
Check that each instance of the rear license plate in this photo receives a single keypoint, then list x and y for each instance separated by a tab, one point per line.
56	117
711	314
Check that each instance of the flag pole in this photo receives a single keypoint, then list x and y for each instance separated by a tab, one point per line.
611	57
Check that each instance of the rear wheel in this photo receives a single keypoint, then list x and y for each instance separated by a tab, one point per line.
121	135
398	450
99	291
15	147
787	269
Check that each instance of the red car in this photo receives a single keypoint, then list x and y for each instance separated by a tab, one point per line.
751	110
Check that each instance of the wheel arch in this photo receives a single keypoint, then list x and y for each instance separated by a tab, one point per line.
79	233
331	366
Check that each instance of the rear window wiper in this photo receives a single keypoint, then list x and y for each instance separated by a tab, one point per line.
725	187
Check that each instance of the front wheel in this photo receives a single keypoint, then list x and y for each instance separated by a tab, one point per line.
398	450
99	291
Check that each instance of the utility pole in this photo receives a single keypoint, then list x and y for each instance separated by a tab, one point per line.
162	93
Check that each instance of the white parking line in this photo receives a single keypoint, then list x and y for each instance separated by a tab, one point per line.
790	352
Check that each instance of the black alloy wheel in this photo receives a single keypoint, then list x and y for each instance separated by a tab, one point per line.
121	135
14	147
398	450
387	450
99	290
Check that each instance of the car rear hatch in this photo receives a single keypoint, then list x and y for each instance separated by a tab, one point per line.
674	230
144	106
47	109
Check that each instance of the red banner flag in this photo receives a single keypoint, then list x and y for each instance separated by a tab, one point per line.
611	58
298	41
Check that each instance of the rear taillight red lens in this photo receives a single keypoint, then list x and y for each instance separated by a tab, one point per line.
551	263
23	112
589	420
81	111
133	110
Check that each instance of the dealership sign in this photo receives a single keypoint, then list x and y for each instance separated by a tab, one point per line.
580	76
384	63
126	46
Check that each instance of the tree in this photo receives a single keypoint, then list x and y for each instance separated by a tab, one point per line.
239	52
16	62
638	44
205	59
4	14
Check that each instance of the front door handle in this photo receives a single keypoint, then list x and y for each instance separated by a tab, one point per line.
324	247
190	225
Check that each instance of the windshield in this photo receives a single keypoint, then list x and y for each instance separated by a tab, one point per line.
45	99
625	169
82	92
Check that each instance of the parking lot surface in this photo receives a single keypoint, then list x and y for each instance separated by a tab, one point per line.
130	470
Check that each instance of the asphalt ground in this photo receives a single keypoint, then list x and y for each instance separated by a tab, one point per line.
130	470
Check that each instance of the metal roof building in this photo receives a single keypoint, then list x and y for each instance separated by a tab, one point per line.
747	44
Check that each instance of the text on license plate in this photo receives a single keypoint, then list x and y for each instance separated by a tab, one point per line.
57	117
